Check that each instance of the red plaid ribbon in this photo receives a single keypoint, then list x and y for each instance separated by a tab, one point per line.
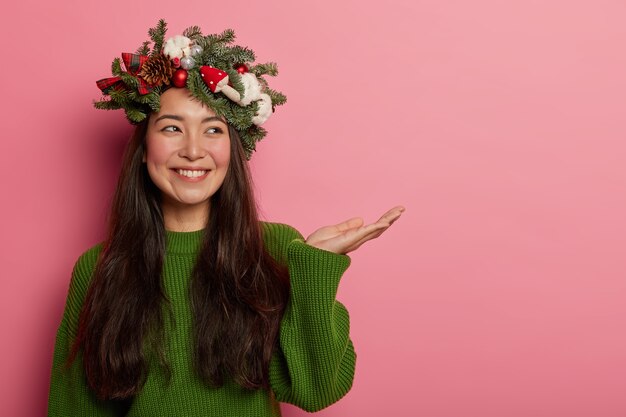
133	63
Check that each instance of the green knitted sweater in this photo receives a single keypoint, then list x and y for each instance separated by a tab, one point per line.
312	368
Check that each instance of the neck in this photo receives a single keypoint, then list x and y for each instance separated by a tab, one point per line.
185	217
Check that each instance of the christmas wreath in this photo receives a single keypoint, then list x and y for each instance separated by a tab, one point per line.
217	72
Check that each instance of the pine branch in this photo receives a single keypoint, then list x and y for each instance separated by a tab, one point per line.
257	133
278	98
250	137
218	54
269	68
129	80
157	34
240	55
121	96
150	101
106	105
143	49
241	117
135	116
153	99
116	67
193	32
226	37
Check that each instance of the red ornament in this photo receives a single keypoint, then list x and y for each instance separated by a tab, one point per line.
179	79
241	68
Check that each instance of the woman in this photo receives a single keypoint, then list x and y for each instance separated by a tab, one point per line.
192	306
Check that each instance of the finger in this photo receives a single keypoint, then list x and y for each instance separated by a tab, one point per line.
393	220
388	218
373	231
347	241
364	233
392	215
366	238
352	223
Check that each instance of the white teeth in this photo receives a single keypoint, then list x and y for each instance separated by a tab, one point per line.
191	174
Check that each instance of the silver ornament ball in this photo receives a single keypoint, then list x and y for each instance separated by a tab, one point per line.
187	62
195	50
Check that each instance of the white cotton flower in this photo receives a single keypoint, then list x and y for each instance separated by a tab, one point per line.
252	89
177	47
265	110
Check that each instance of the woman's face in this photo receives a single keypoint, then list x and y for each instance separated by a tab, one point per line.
187	150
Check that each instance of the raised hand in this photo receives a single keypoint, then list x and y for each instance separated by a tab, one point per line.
351	234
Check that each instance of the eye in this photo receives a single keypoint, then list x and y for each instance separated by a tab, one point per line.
215	130
170	129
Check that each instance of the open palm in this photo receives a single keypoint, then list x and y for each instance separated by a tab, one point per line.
351	234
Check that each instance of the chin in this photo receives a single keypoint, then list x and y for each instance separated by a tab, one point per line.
191	201
194	201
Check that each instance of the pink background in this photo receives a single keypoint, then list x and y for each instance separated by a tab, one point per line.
500	125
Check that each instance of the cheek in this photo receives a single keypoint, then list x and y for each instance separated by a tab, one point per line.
221	154
156	153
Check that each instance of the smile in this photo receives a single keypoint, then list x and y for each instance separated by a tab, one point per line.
191	173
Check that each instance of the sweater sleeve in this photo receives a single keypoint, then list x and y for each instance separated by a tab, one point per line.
314	364
69	393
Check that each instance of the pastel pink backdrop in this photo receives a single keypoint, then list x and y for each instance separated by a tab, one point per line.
499	125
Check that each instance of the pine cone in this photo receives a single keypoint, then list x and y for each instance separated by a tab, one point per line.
157	70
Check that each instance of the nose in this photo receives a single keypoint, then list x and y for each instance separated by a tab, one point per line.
192	147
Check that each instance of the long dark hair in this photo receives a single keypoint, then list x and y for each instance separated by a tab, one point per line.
237	300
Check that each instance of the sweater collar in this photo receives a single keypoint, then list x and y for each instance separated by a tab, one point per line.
184	242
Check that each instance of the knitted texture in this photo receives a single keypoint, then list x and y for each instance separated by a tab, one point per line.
312	368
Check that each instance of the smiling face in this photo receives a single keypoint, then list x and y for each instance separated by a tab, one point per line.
187	152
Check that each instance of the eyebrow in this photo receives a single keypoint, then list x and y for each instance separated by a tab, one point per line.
181	119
